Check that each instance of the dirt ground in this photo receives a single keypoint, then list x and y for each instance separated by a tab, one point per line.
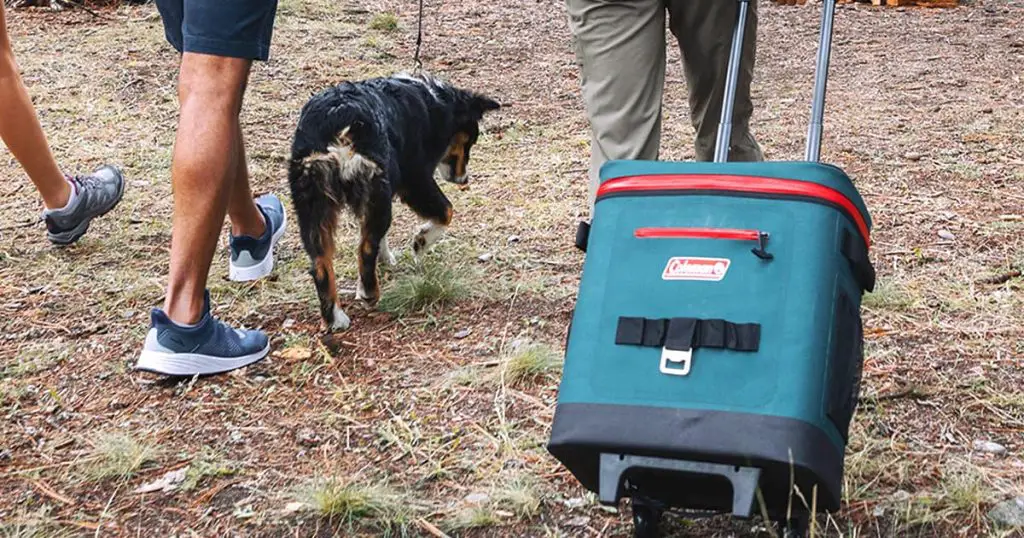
403	426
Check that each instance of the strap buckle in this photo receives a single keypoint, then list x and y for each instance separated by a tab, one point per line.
676	356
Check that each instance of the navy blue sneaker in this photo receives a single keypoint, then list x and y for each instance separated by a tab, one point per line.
252	258
208	347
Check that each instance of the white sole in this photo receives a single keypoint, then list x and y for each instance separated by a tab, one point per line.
265	267
190	364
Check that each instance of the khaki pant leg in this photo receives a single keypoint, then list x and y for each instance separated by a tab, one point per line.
620	48
704	31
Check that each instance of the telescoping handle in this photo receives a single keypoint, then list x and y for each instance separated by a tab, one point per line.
812	151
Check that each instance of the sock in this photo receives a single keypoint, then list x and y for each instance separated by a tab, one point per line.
184	325
72	198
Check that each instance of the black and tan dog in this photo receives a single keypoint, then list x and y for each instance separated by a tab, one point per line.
358	145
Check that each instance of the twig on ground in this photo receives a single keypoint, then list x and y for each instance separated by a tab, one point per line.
1000	279
50	492
431	529
84	8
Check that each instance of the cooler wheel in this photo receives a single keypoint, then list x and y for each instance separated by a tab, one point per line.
645	521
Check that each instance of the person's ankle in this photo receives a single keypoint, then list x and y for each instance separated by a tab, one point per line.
61	199
184	313
253	226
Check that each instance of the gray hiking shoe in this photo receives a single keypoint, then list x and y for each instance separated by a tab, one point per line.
95	195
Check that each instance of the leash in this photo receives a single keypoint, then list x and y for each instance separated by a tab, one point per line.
418	65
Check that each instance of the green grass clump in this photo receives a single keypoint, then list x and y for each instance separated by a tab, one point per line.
435	284
385	22
530	363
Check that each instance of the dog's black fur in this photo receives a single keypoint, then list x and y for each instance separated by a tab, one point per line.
359	145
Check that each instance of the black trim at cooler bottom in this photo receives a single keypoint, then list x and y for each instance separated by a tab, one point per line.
582	432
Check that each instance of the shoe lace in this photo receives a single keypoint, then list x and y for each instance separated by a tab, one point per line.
85	182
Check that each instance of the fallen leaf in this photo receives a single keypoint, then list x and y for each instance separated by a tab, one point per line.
296	354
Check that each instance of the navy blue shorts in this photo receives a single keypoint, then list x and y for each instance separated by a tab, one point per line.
231	28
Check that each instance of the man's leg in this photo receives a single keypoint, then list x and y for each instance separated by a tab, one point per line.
245	216
67	216
251	241
219	40
620	48
704	30
204	171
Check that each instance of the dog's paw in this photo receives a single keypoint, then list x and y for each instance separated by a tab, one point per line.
363	295
341	321
427	235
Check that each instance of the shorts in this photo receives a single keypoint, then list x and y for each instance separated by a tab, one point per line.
230	28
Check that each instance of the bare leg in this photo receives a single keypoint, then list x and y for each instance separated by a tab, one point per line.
246	219
21	131
204	172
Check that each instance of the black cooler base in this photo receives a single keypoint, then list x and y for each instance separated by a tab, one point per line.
664	454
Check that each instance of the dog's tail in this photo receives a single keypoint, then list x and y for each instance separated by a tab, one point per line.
321	185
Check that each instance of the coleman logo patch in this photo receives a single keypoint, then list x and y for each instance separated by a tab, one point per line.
686	268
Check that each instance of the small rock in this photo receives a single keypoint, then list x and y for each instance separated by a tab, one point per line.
166	483
116	405
237	438
463	333
901	496
288	324
575	502
308	438
580	521
478	498
947	235
485	257
512	239
912	156
1009	513
989	447
128	314
291	508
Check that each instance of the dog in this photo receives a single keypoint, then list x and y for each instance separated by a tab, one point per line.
360	145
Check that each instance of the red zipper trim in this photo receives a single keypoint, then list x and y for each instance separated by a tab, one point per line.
696	233
751	184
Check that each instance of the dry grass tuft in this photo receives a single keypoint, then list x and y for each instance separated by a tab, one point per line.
118	455
519	494
350	504
529	363
476	517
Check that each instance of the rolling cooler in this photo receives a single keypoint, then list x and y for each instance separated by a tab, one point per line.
714	356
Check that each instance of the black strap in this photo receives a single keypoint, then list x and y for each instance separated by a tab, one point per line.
582	235
856	252
681	334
